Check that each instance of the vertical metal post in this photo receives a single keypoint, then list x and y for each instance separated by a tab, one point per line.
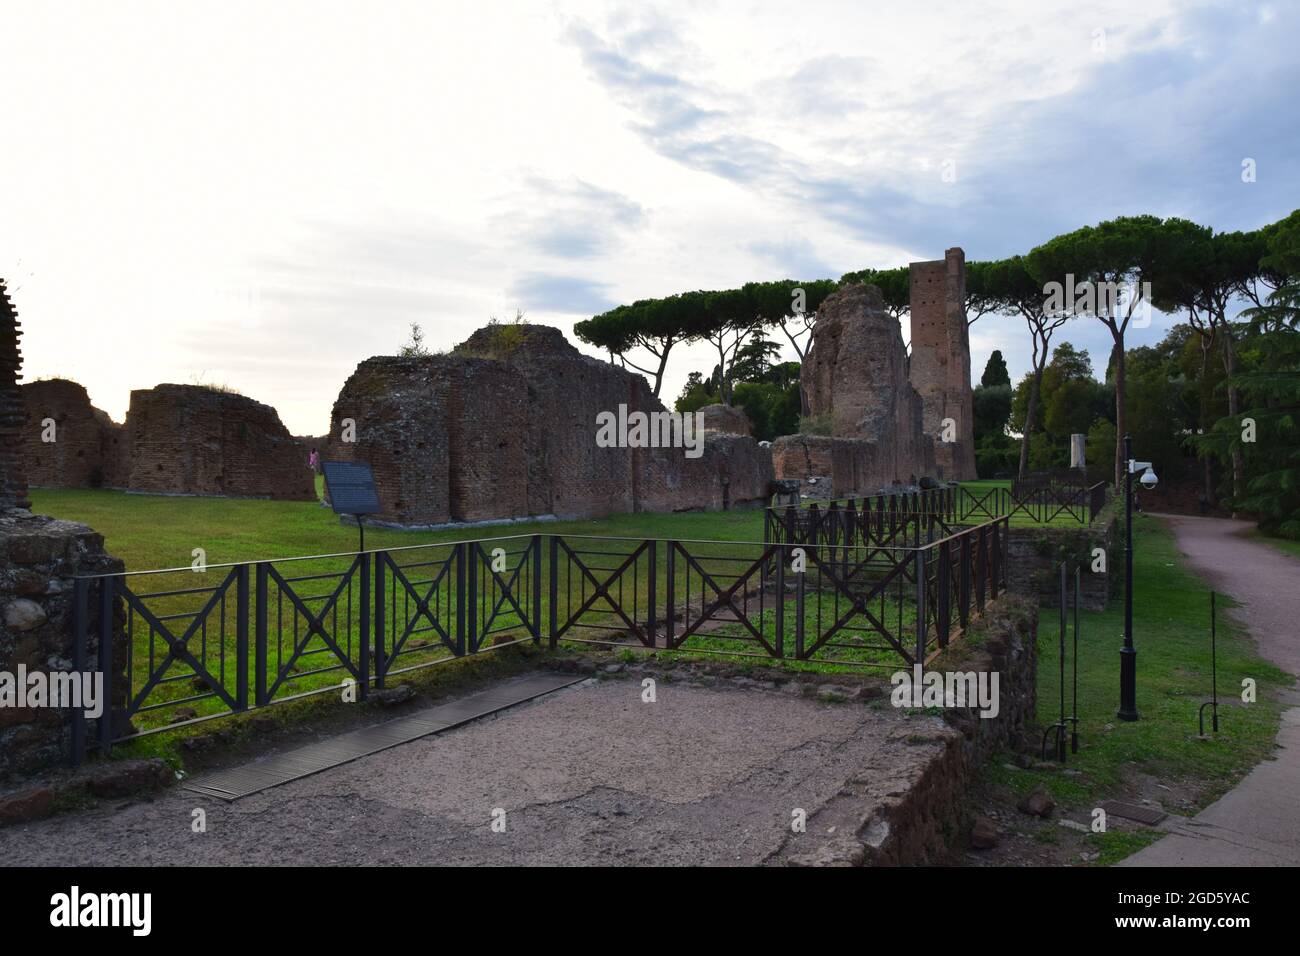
461	557
80	613
259	633
798	614
1214	661
670	603
537	588
471	597
1074	666
1060	735
963	598
996	562
779	636
1128	654
241	637
553	594
921	628
380	591
944	607
106	588
363	662
651	596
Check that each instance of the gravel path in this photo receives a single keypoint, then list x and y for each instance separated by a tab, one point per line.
1258	822
589	774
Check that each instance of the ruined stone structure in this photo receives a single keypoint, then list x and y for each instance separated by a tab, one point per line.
855	376
38	558
725	420
186	439
88	448
505	427
940	365
892	420
13	480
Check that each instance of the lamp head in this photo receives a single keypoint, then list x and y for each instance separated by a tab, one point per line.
1148	478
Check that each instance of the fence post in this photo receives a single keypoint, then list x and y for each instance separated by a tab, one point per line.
798	613
944	607
259	634
995	562
363	664
963	594
80	608
537	588
461	555
241	637
779	637
553	594
651	595
981	566
105	649
670	609
921	627
380	588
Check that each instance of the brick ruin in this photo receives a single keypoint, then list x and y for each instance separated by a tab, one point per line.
855	375
940	366
505	427
88	450
38	558
886	414
187	439
13	479
178	439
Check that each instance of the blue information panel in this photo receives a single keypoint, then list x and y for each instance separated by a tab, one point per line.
351	486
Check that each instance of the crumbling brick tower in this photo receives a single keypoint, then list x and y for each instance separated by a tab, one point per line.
940	364
13	411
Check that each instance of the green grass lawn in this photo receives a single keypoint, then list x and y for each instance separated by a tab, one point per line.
1172	636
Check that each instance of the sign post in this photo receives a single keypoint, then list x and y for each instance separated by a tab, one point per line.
351	489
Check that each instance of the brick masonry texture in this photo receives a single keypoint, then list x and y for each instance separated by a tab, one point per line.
940	365
505	427
186	439
13	479
856	376
87	451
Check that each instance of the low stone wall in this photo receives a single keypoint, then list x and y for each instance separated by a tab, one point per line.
1034	556
853	465
38	558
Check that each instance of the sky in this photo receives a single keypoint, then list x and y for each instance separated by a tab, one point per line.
260	196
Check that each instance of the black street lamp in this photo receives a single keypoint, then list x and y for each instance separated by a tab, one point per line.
1128	654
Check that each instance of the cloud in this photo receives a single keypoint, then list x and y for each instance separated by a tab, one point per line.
568	295
570	219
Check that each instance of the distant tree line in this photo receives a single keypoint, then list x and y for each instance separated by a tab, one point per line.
1229	366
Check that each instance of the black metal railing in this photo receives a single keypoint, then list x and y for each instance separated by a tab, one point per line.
1042	503
863	589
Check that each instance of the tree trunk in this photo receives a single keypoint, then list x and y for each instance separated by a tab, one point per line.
1234	409
663	363
1031	410
1207	461
1121	420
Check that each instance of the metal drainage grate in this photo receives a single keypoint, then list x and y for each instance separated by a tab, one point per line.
236	782
1131	811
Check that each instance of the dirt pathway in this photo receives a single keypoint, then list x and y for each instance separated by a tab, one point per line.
1258	822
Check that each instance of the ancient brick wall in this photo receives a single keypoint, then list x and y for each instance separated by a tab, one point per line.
13	414
856	375
505	427
85	449
940	363
186	439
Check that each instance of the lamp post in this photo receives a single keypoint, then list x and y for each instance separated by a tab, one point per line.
1128	654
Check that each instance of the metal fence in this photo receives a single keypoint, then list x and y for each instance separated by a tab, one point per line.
259	633
1041	503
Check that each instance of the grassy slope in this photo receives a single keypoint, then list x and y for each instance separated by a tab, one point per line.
1171	633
